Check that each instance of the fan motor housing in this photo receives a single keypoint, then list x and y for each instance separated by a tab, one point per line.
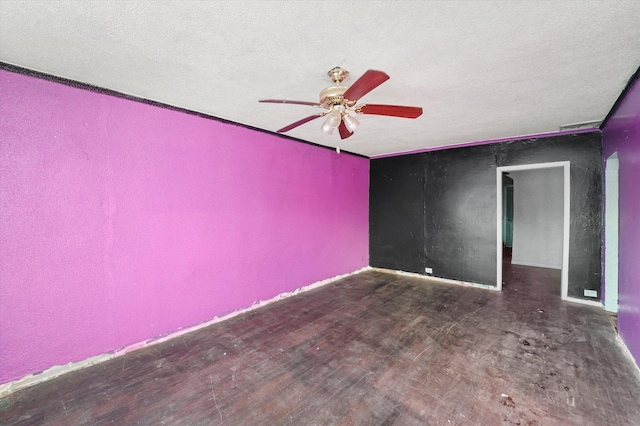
332	96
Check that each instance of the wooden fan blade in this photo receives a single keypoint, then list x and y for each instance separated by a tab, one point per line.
344	131
286	101
369	81
390	110
300	122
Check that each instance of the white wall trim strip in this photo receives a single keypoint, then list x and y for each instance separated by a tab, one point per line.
611	231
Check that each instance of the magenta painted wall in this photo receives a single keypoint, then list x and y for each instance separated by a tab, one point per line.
622	134
121	221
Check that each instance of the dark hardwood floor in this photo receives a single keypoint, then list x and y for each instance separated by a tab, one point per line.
375	348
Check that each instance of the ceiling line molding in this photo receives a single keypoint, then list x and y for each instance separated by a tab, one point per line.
490	141
5	66
623	94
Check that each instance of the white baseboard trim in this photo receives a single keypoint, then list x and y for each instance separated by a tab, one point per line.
596	303
437	279
535	265
628	354
58	370
50	373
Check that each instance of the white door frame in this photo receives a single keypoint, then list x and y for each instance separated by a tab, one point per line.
564	287
611	232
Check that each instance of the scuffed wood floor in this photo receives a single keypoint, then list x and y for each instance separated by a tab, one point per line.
374	348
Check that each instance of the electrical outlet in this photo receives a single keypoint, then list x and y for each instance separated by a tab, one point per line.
428	270
590	293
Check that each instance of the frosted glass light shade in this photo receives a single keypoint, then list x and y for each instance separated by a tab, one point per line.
350	122
334	118
327	129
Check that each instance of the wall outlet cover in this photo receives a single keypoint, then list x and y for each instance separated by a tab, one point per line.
590	293
428	270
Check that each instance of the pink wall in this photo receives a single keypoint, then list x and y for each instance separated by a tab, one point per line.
622	134
121	221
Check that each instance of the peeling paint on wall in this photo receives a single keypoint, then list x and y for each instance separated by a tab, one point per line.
122	221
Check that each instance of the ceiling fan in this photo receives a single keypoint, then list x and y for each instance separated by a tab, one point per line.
338	100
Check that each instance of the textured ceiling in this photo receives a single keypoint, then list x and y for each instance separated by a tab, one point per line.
480	70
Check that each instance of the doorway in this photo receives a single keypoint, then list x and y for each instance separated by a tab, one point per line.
507	214
565	219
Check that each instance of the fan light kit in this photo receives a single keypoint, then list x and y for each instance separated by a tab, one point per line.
339	100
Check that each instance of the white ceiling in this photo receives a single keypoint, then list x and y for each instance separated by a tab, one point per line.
480	69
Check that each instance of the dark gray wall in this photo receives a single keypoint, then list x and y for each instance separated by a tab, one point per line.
438	209
396	227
